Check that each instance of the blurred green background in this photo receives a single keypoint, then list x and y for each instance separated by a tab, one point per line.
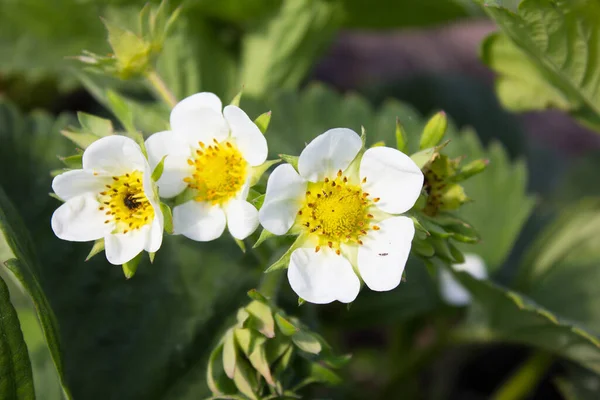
315	64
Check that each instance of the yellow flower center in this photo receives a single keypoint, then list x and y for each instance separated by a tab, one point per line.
336	212
125	203
219	172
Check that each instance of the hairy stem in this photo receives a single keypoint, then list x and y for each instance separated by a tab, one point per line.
526	378
161	88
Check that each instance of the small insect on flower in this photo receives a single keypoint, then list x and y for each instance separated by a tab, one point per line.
210	154
343	204
112	197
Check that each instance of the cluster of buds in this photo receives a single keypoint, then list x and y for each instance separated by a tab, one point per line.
133	54
269	355
434	213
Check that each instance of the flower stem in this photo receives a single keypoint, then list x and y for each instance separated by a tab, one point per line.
526	378
269	286
161	88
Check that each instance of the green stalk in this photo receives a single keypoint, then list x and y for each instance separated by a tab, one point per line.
526	378
161	88
269	286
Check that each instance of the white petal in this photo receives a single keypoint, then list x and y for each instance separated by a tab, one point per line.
155	235
322	277
283	198
249	138
176	168
393	177
115	154
197	102
383	255
242	218
451	290
199	221
78	182
123	247
199	118
80	220
328	153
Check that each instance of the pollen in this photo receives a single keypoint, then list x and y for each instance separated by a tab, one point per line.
219	172
129	208
336	212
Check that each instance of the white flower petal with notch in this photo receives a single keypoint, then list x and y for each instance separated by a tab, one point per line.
199	221
115	155
242	218
248	138
328	153
322	277
176	167
392	177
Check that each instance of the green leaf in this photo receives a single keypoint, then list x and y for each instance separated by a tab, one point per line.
264	235
18	256
279	51
82	140
562	265
262	121
131	52
546	57
98	126
292	160
434	131
15	367
498	314
118	105
497	218
324	375
73	162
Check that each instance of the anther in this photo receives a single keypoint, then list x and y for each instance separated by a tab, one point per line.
201	144
115	178
364	180
308	193
376	199
330	244
339	172
376	228
228	144
333	183
365	194
326	180
345	179
107	221
317	249
370	216
360	242
338	252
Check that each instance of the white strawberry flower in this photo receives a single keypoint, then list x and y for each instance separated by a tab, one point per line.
344	204
452	291
112	197
211	153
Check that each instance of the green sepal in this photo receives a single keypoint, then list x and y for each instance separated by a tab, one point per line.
258	296
159	169
229	354
292	160
187	195
240	244
73	162
301	301
151	256
307	342
245	379
253	345
284	260
236	100
471	169
458	256
96	248
264	235
259	170
262	314
381	143
54	195
257	201
130	267
285	326
363	136
434	229
434	130
401	141
422	248
263	121
92	124
167	217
